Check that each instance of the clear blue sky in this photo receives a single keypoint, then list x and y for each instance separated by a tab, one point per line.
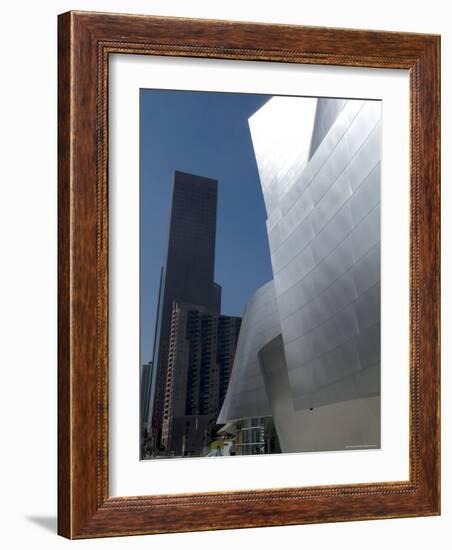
203	133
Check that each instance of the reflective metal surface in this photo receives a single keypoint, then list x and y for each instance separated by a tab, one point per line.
319	165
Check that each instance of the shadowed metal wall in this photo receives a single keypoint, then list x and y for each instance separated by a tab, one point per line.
246	396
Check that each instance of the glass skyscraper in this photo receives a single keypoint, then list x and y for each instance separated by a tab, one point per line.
188	272
195	344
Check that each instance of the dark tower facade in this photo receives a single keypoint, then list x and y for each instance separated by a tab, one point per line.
227	339
188	276
201	354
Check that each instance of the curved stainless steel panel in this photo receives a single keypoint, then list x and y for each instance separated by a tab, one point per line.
319	165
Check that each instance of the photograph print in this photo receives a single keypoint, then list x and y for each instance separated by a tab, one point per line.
259	274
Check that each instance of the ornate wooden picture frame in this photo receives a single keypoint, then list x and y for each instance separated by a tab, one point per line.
86	41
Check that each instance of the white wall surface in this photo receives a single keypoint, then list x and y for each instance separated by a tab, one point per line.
28	271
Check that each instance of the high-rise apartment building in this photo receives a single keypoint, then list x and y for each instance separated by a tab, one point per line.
201	353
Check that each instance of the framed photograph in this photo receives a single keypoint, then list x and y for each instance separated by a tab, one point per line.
249	262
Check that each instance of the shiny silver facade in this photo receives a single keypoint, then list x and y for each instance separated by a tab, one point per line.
319	166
